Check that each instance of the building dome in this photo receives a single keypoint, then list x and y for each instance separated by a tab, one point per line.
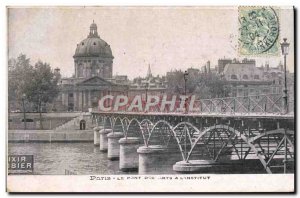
93	46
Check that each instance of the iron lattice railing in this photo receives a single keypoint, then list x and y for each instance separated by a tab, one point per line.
260	104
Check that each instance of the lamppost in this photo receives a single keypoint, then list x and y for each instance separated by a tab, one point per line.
146	95
146	89
185	75
285	50
24	113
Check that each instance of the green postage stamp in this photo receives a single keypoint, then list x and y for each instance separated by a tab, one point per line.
258	31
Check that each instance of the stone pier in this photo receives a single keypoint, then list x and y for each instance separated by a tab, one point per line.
129	158
103	139
211	166
113	146
97	135
157	159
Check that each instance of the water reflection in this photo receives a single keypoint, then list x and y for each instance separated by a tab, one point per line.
55	158
86	159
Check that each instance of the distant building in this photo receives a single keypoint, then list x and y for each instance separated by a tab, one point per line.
150	85
121	79
193	71
245	79
93	64
223	62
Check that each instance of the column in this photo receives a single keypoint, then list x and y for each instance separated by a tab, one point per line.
89	99
63	99
80	107
75	101
84	99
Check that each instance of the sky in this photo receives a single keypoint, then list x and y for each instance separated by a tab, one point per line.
167	38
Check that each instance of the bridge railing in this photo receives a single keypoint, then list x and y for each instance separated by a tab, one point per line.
260	104
272	103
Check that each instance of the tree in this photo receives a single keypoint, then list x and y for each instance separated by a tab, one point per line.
39	83
214	86
18	70
204	85
43	87
19	73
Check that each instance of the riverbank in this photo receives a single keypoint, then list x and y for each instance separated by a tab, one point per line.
50	136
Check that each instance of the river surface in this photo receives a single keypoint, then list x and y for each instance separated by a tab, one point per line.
56	158
74	158
80	159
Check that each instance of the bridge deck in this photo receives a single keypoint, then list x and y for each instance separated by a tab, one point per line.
289	116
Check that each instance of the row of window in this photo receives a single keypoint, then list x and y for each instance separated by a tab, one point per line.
245	77
85	61
93	43
246	92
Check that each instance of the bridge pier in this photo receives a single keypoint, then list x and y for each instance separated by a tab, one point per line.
156	159
213	141
113	146
129	158
97	135
199	166
103	139
211	166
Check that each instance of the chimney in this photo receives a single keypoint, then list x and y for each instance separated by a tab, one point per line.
267	66
57	70
208	66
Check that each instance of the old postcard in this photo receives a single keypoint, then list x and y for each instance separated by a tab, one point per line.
151	99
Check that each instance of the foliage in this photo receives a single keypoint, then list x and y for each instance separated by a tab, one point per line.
204	85
37	85
19	71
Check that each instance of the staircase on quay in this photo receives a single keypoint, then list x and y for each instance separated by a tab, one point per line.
74	124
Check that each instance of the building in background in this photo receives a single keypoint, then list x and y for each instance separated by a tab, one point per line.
93	68
245	79
93	65
148	85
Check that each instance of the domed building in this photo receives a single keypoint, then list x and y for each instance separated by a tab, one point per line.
93	56
92	79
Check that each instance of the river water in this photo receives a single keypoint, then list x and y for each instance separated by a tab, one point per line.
79	158
55	158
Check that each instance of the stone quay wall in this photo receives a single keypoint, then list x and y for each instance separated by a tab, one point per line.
50	136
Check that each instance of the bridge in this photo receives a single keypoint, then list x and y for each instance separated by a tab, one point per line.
231	133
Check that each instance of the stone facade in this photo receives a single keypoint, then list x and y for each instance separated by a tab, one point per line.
93	65
245	79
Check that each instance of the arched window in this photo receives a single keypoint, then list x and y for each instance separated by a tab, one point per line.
234	77
245	77
94	70
27	120
256	76
82	124
273	74
80	70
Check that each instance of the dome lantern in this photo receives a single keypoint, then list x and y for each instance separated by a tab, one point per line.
93	31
